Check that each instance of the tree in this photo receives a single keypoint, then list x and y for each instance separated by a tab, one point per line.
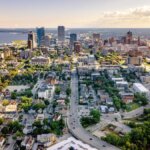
117	102
26	103
25	99
141	98
46	102
5	102
67	101
1	121
46	122
39	106
13	95
92	119
18	134
113	139
96	115
37	124
68	91
15	126
57	90
5	130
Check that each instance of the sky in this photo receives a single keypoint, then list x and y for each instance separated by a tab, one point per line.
75	13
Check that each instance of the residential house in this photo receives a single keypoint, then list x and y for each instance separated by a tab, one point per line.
127	97
28	142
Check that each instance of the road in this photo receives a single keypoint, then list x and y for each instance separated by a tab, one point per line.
36	87
74	125
107	119
134	113
11	142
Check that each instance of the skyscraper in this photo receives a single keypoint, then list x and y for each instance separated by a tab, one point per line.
31	40
73	38
96	38
61	33
77	46
129	37
40	35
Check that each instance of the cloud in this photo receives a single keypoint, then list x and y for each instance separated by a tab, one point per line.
131	18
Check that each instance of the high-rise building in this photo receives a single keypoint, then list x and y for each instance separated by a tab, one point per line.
46	41
31	40
61	33
129	37
96	37
77	47
73	38
40	35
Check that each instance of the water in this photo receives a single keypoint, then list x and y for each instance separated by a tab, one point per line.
9	35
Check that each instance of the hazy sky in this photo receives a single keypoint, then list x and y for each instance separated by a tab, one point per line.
75	13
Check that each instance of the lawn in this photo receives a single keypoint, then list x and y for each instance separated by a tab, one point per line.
132	106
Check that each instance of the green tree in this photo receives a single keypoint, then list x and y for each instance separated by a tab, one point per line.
113	139
5	102
1	121
57	90
5	130
117	102
13	95
96	115
68	91
67	101
39	106
37	124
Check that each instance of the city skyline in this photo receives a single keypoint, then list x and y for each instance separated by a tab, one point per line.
75	14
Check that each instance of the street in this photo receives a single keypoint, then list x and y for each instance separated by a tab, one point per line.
74	125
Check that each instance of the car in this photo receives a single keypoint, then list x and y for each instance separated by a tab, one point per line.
104	145
91	139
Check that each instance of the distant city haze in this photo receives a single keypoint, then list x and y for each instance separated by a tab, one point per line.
75	13
9	35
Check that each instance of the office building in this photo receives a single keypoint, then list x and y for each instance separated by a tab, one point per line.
40	35
77	47
96	38
61	33
46	41
73	38
31	40
129	37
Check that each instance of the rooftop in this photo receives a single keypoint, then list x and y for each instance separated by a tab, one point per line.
141	87
71	142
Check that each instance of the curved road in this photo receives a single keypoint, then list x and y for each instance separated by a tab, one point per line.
74	125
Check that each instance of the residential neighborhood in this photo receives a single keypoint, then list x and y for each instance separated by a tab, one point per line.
94	94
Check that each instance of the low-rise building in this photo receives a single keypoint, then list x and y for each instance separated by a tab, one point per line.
2	141
122	85
43	93
134	60
139	88
104	108
44	138
145	79
28	142
11	107
40	117
40	60
127	97
71	143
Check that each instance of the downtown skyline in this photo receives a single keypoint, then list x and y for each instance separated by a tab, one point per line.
75	14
